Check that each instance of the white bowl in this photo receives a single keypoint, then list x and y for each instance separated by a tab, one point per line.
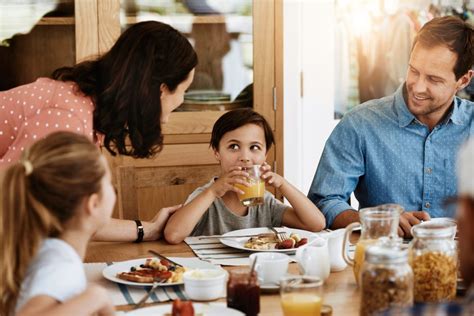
205	284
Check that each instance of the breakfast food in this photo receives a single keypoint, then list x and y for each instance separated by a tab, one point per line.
270	241
182	308
154	269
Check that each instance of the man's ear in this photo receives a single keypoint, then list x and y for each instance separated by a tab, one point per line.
465	79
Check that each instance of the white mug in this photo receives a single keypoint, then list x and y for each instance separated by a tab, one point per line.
314	259
335	242
270	266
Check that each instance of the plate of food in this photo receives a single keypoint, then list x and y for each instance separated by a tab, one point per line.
142	272
264	240
184	308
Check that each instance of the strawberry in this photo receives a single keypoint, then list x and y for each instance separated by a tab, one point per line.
166	263
182	308
302	242
286	244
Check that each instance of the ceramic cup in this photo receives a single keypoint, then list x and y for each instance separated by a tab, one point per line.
270	267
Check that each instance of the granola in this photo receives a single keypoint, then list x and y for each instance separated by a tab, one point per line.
435	277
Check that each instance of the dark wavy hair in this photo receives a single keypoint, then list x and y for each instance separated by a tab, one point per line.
234	119
455	34
125	85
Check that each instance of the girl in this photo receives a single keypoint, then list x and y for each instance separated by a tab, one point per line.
241	138
52	202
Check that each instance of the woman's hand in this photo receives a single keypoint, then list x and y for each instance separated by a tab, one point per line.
271	178
157	224
227	182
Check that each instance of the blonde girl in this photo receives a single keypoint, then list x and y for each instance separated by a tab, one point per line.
52	201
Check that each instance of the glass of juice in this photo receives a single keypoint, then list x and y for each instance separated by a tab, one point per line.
243	291
301	295
253	195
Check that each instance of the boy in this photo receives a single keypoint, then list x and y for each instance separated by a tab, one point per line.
240	139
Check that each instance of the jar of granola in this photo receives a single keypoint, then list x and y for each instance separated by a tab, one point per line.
386	279
433	258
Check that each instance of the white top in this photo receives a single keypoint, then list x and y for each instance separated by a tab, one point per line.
56	271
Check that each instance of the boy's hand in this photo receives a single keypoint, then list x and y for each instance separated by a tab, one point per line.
271	178
227	182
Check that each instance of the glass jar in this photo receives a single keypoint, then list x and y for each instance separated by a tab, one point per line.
374	223
386	279
243	291
433	258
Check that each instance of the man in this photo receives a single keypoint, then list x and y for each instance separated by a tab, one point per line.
401	148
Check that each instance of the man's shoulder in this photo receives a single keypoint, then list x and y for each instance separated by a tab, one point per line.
371	111
375	107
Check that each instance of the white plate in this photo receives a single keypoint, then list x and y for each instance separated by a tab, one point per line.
205	309
111	271
239	243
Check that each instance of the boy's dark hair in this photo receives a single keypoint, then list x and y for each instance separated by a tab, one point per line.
454	33
237	118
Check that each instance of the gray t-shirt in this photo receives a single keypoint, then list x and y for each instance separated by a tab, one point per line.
218	219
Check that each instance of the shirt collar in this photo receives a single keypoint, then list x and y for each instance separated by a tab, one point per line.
405	117
457	116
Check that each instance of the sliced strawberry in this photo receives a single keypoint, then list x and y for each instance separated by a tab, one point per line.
287	244
182	308
302	242
166	263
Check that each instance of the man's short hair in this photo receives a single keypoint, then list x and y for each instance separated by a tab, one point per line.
454	33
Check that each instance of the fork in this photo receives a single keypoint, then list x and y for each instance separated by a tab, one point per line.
142	301
280	235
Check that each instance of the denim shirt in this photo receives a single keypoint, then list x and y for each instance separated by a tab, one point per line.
383	154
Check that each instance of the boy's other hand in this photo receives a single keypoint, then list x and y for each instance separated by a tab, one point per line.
271	178
228	181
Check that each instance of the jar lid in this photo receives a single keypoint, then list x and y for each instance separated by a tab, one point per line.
382	253
435	228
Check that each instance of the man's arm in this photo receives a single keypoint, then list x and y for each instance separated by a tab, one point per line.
345	218
342	164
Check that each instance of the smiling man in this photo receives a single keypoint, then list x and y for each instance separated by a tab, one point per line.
402	148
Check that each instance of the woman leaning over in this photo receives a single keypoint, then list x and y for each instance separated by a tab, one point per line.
126	94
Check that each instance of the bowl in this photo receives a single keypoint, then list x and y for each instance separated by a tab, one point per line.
205	284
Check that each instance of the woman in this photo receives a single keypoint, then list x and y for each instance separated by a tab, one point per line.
124	95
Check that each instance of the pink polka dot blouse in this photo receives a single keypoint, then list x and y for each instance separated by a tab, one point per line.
32	111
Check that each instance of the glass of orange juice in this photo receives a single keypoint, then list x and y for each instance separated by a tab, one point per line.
301	295
253	195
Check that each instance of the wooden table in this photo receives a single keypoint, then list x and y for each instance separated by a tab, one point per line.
340	290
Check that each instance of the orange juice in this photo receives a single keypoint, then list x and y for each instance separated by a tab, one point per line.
359	256
301	304
253	195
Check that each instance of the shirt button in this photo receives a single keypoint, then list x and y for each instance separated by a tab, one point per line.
427	204
429	170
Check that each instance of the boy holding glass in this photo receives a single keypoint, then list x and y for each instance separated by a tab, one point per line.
240	140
